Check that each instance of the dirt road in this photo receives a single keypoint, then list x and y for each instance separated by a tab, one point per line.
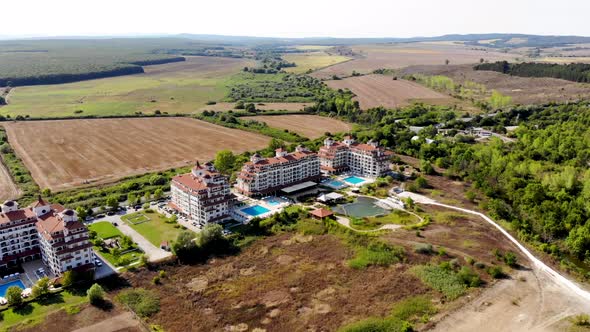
536	300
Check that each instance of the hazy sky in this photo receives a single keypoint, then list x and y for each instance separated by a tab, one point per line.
296	18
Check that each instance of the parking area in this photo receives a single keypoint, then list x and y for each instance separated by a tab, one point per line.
103	268
35	270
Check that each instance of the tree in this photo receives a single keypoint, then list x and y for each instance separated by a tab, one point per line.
184	247
113	201
95	294
68	278
239	105
14	296
224	161
147	196
250	107
421	182
46	192
275	144
157	180
209	234
81	212
131	199
158	193
41	288
126	241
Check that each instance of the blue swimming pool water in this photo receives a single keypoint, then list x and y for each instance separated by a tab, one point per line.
5	287
273	201
334	184
255	210
354	180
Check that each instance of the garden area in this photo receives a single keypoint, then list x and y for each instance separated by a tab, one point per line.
155	227
117	248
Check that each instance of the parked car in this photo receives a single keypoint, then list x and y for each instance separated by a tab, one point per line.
137	207
89	218
100	216
115	224
110	213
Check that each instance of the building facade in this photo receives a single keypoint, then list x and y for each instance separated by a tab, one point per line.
262	176
46	231
367	160
203	195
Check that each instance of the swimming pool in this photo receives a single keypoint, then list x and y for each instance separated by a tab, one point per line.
273	201
5	287
354	180
255	210
334	184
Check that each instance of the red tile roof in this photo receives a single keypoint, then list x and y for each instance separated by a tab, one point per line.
322	213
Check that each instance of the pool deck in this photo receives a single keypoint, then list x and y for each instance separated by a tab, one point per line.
244	217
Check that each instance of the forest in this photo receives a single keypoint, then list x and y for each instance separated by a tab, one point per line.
539	185
576	72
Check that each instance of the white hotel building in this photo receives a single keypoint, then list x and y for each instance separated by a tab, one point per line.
261	176
366	160
46	231
203	195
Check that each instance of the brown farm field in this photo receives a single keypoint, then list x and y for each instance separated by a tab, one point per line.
395	56
71	153
310	126
380	90
523	90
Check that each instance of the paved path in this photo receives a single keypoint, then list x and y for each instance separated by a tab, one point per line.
346	223
116	323
573	289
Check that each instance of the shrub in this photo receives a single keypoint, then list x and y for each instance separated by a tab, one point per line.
443	280
496	272
469	277
68	278
95	294
479	265
376	253
13	296
41	288
510	259
423	248
143	302
581	320
417	306
156	280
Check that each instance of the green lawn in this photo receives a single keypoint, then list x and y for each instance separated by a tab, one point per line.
397	217
34	312
156	229
105	230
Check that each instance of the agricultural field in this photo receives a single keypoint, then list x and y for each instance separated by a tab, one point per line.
225	106
310	126
311	61
73	153
395	56
380	90
180	87
523	90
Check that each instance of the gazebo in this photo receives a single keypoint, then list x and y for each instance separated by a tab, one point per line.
321	213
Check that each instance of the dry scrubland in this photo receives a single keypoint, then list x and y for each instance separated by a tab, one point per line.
180	87
523	90
72	153
8	189
393	56
311	126
380	90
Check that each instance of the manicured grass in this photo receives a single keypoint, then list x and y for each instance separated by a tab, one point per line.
313	61
156	229
105	230
35	311
397	217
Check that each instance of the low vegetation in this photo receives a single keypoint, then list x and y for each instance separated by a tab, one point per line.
143	302
452	284
576	72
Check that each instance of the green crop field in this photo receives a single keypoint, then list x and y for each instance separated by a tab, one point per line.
312	61
180	87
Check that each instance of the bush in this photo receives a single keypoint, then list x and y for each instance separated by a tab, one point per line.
68	278
479	265
581	320
424	248
41	288
496	272
95	294
156	280
14	296
143	302
441	279
510	259
376	253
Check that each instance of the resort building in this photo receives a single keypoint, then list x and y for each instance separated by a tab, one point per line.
203	195
367	160
46	231
261	176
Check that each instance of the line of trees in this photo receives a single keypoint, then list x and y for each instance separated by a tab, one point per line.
576	72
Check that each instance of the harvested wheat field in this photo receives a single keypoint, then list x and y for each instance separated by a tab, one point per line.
380	90
394	56
310	126
8	189
70	153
